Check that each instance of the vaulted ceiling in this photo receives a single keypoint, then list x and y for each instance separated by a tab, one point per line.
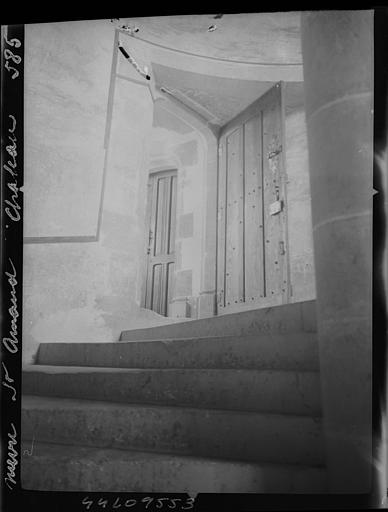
216	99
246	37
235	40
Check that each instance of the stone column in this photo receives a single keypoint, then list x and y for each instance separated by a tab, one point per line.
338	72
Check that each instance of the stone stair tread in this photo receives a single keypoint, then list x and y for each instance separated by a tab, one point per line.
281	351
247	435
179	410
286	391
53	466
182	339
55	369
65	450
285	318
47	402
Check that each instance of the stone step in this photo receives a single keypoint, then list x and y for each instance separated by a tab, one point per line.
239	435
293	351
286	392
52	467
297	317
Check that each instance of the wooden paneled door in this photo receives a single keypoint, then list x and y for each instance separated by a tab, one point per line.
252	252
161	220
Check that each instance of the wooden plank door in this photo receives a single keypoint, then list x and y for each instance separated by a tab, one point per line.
161	215
252	255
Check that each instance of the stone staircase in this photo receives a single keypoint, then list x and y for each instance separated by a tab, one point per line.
226	404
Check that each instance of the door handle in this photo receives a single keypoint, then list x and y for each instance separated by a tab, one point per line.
282	250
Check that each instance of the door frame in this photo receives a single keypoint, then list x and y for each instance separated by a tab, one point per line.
244	116
167	170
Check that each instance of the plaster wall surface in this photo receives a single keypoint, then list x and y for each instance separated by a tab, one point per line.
81	288
66	83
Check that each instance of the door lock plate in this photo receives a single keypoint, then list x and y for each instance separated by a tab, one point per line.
275	207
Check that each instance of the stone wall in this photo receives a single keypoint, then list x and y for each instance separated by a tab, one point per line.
83	201
300	233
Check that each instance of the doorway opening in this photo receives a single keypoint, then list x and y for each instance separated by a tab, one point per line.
252	248
161	225
243	220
